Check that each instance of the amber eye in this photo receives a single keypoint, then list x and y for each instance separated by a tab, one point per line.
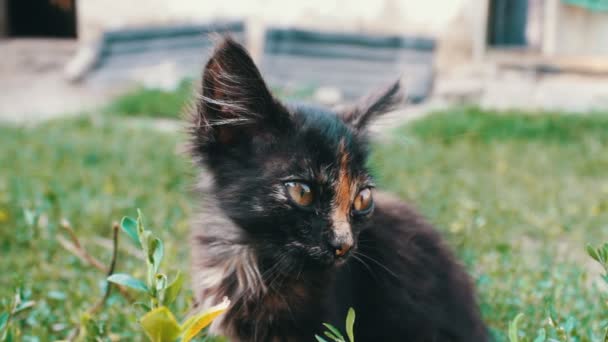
363	202
300	193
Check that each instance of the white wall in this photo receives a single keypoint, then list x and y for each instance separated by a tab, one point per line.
580	32
428	17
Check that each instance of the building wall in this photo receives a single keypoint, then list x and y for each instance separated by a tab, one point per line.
580	32
429	17
566	30
459	25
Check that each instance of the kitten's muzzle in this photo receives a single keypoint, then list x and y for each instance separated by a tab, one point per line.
341	240
341	246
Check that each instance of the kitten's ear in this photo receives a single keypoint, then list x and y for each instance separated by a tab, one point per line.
234	103
373	105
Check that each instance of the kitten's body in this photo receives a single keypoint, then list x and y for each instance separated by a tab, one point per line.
405	285
275	260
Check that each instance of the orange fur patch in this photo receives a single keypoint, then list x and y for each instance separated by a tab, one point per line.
343	195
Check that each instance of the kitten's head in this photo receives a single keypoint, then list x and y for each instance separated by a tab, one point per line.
292	177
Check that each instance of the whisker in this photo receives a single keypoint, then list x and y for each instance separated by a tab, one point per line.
369	269
378	263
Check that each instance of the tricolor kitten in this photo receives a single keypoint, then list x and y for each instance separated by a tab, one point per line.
293	232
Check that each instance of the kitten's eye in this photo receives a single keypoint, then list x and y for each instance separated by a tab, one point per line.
363	202
300	193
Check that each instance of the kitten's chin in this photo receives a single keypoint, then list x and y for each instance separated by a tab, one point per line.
340	262
330	262
315	259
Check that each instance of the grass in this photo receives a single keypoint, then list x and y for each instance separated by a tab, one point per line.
151	102
169	104
90	172
517	196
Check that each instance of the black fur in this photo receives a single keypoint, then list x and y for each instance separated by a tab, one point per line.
273	259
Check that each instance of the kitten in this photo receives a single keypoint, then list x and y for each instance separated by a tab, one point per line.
293	232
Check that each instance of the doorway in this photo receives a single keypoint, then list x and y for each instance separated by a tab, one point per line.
42	18
507	22
515	23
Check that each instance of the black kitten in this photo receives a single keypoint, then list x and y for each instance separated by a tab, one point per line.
292	231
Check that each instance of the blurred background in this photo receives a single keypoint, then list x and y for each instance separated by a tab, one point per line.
503	143
534	54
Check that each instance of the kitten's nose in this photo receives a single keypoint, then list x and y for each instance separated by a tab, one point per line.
341	246
342	249
341	240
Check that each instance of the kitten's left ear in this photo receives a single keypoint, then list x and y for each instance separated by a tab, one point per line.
373	105
234	103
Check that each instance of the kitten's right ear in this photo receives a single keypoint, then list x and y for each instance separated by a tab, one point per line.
234	103
380	102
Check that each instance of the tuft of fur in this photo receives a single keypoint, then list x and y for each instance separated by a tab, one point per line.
377	103
274	259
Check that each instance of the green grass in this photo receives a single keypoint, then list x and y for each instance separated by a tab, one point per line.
152	102
517	196
91	172
472	124
170	104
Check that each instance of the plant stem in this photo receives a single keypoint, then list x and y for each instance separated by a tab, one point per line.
102	301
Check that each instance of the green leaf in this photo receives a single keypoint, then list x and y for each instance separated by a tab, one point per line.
350	323
333	337
129	226
337	335
601	255
3	320
146	238
140	222
24	306
569	325
29	216
142	305
155	253
513	329
541	335
9	336
160	325
56	295
128	281
161	281
320	339
592	253
173	289
195	324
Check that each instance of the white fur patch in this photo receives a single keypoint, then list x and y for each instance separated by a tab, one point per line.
278	193
219	256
